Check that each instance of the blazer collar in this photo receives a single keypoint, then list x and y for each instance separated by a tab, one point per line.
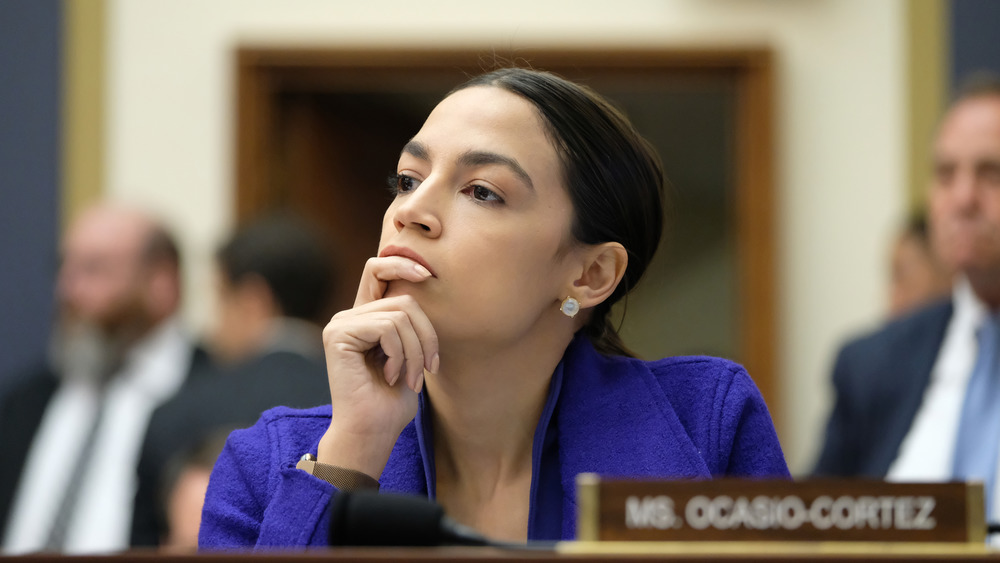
404	472
615	420
612	418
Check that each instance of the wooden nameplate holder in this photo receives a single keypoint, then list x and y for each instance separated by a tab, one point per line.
772	510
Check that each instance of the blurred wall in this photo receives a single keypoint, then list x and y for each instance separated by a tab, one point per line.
840	94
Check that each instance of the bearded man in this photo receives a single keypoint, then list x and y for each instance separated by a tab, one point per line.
71	433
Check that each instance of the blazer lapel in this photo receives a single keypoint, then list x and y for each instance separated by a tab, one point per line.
404	472
615	420
907	364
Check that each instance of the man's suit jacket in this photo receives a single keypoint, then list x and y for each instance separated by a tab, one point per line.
880	379
222	400
22	406
21	409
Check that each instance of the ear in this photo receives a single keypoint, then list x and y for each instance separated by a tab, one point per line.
603	267
162	291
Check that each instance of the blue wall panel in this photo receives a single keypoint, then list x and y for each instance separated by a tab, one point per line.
30	76
975	38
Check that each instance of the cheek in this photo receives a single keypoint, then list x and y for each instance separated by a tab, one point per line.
515	269
992	205
227	318
937	204
495	305
100	296
388	225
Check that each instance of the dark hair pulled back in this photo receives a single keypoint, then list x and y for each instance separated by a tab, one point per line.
614	177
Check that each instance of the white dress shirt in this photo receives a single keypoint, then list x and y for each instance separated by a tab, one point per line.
101	523
928	449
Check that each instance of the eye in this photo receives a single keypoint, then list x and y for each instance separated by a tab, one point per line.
991	174
943	173
402	184
483	194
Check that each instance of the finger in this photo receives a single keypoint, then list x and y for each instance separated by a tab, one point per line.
403	354
392	348
379	271
426	335
412	366
419	321
374	335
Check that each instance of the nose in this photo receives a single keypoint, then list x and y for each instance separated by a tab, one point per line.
421	209
966	190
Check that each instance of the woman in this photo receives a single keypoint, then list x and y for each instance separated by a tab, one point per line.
478	365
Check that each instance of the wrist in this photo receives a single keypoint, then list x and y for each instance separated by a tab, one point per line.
363	452
342	478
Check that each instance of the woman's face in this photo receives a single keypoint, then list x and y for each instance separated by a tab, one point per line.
480	199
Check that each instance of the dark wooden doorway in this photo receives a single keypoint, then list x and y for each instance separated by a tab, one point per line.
318	131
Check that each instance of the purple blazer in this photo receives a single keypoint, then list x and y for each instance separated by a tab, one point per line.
680	417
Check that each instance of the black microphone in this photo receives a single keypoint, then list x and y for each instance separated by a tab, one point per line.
367	518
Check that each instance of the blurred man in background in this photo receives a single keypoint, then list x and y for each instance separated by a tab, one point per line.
919	400
70	433
275	281
182	492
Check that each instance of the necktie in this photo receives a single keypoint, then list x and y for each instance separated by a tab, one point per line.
978	441
60	526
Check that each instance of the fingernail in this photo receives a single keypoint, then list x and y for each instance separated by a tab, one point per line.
420	383
421	270
435	363
394	378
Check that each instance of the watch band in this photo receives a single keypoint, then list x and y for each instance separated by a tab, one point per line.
341	477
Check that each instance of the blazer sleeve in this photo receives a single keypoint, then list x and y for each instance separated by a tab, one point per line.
747	433
256	500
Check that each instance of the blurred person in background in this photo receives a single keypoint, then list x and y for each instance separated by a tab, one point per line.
918	276
275	278
182	491
919	399
71	431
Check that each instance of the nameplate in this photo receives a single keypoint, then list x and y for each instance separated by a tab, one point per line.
772	510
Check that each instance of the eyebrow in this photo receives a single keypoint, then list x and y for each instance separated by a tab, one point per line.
417	150
473	159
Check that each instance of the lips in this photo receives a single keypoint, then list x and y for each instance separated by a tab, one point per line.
406	253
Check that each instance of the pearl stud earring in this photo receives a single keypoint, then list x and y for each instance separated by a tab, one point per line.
570	307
